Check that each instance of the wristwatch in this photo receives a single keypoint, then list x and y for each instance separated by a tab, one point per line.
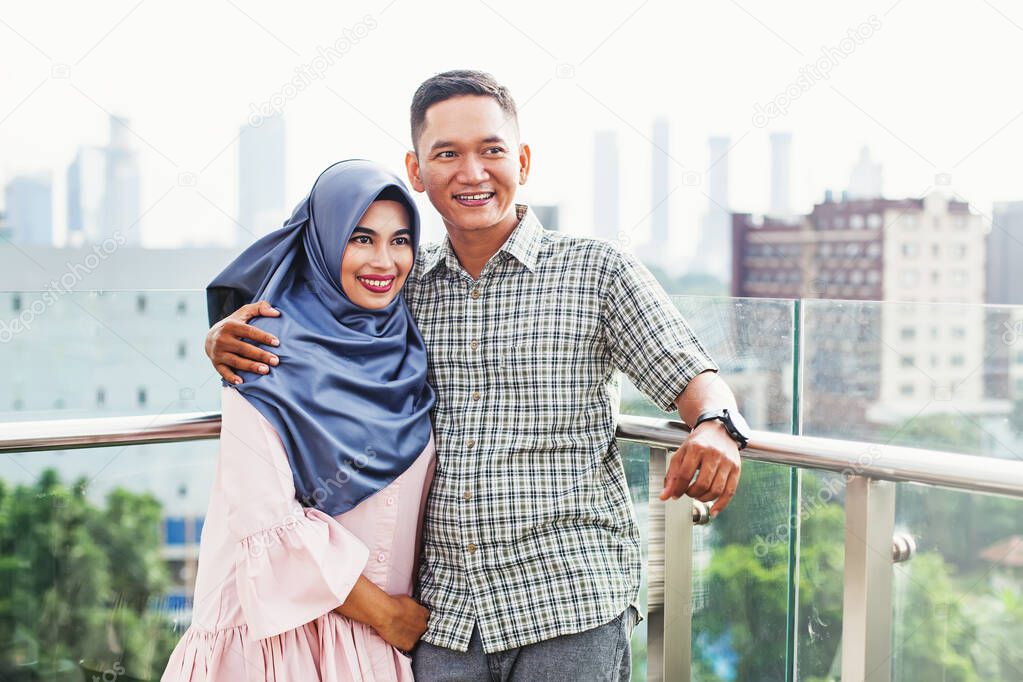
735	425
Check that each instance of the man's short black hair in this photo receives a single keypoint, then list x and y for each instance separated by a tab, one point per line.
456	83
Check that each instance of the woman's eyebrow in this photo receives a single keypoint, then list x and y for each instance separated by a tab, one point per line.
368	230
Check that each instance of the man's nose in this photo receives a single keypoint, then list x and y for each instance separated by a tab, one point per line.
472	171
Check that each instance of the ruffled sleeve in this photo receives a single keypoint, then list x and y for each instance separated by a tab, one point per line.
293	564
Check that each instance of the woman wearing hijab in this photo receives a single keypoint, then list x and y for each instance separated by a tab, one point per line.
308	550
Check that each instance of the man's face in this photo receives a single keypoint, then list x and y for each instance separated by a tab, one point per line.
470	163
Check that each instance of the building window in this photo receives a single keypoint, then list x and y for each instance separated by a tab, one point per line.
182	349
906	361
908	333
957	360
839	222
958	332
960	222
852	250
935	277
140	304
182	307
959	251
856	222
824	249
874	221
908	221
856	277
142	397
935	250
873	276
906	389
909	278
910	249
958	277
16	303
101	397
873	249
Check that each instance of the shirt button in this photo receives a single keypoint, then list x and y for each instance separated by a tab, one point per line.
381	557
476	395
467	494
474	344
390	501
475	293
470	443
471	548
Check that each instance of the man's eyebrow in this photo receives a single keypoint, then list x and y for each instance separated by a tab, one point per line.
448	143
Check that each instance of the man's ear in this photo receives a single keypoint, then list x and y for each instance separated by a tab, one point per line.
412	167
524	155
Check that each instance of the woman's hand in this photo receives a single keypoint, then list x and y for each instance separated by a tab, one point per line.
399	620
404	623
230	343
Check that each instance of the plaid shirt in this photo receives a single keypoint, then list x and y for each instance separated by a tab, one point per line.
529	529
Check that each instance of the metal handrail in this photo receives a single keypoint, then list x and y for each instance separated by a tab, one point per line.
851	458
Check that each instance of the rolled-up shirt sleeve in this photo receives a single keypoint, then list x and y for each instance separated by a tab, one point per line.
292	563
649	339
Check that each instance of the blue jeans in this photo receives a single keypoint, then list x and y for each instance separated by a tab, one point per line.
598	655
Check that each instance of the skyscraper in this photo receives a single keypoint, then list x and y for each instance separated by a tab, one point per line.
659	192
548	215
1005	253
865	179
605	185
29	200
122	199
781	144
261	206
86	177
713	253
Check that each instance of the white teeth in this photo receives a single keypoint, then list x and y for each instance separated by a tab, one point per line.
476	197
375	282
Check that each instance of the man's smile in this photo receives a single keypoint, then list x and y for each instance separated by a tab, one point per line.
473	198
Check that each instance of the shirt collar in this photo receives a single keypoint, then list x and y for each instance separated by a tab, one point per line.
523	243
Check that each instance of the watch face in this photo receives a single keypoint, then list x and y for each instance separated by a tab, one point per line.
740	424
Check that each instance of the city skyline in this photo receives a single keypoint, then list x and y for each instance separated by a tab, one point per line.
185	116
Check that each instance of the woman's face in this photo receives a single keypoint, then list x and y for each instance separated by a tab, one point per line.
378	257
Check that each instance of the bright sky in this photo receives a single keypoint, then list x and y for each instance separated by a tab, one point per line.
929	89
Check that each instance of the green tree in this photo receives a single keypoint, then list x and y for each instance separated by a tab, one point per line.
76	582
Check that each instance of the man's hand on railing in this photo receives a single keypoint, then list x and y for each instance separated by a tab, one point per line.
230	343
711	451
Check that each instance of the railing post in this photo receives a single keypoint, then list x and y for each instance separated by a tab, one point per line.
669	580
867	598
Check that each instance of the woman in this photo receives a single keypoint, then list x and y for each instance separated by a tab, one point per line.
308	550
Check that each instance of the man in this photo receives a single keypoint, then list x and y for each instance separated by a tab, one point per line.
531	558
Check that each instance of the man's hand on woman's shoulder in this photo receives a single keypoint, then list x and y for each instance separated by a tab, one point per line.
231	343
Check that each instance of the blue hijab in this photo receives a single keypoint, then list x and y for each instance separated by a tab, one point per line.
349	398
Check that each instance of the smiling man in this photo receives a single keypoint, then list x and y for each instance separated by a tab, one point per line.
531	557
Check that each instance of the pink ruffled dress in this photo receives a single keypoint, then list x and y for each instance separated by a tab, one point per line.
271	572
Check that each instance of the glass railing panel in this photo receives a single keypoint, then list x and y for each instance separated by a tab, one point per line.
958	602
102	354
734	637
100	552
